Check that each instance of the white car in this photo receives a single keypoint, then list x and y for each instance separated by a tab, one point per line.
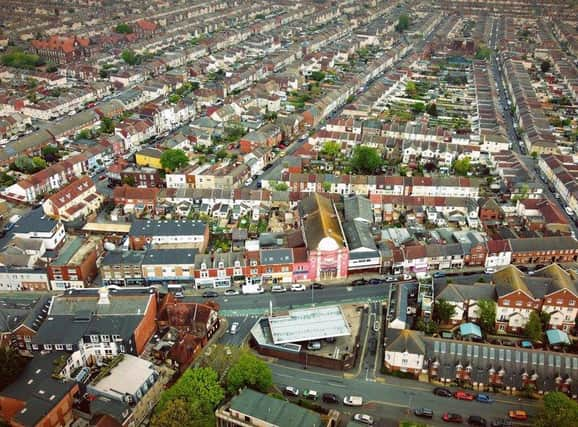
569	211
364	419
234	328
297	287
231	292
353	400
278	289
249	181
407	277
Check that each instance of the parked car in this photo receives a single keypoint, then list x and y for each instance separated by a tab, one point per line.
364	419
314	345
359	282
316	286
234	328
423	412
441	391
501	422
179	294
439	274
476	420
450	417
375	281
310	394
297	287
278	289
463	395
330	398
518	415
353	400
210	294
390	279
407	277
484	398
231	292
376	326
291	391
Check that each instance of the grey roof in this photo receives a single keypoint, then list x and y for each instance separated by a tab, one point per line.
123	258
357	207
73	123
169	256
36	387
22	309
404	340
276	256
358	235
35	222
143	227
543	244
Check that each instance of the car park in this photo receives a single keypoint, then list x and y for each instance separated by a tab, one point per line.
297	287
423	412
484	398
364	419
291	391
476	420
450	417
518	415
210	294
441	391
310	394
330	398
463	395
353	401
231	292
278	289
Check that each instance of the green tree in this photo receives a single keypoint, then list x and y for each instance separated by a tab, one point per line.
418	107
487	310
483	52
123	29
25	164
411	89
443	311
20	59
558	410
130	57
331	149
326	186
462	166
6	180
365	159
39	163
196	384
84	134
12	363
129	180
545	66
106	125
402	23
432	109
184	413
318	76
220	358
280	186
249	371
50	153
533	328
221	154
534	155
173	159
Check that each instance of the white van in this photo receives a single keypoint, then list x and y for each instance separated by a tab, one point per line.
252	290
353	401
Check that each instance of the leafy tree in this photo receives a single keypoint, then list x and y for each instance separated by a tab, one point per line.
19	59
534	155
84	134
331	149
418	107
198	384
483	52
280	186
443	311
12	363
318	75
220	359
402	23
50	153
172	159
106	125
39	163
6	180
221	154
24	164
130	57
183	413
428	327
487	309
365	159
249	371
411	89
52	68
462	166
533	328
326	186
559	410
123	29
129	180
545	66
103	74
432	109
234	133
430	167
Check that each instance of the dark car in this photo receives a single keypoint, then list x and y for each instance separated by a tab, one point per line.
439	274
359	282
449	417
375	281
210	294
330	398
316	286
423	412
476	420
441	391
373	345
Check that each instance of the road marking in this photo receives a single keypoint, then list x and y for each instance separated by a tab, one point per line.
379	402
283	375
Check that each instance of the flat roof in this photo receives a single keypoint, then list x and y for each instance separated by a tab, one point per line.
309	324
107	228
127	377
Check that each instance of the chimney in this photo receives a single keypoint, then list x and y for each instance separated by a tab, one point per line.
103	296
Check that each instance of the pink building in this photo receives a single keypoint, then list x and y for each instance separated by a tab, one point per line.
323	236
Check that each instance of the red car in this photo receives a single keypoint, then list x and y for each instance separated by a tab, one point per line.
448	417
518	415
463	395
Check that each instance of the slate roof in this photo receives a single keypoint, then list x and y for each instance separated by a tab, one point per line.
458	293
35	221
143	227
276	256
357	207
358	235
407	340
169	256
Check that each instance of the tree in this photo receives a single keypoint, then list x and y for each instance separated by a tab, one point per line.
402	23
20	59
487	310
483	52
249	371
432	109
50	153
130	57
6	180
365	159
559	410
106	125
326	186
418	107
411	89
533	327
220	359
182	413
221	154
39	163
84	134
317	75
430	167
25	164
123	29
129	180
174	158
545	66
280	186
462	166
198	384
12	363
443	311
331	149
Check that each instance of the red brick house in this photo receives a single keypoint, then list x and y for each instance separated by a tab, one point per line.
75	266
127	195
61	50
490	211
544	250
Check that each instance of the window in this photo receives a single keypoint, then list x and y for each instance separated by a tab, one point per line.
572	302
404	361
47	346
519	303
506	302
69	347
105	338
58	347
94	338
116	337
204	274
559	302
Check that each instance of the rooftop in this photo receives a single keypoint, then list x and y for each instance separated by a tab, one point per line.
125	378
75	251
